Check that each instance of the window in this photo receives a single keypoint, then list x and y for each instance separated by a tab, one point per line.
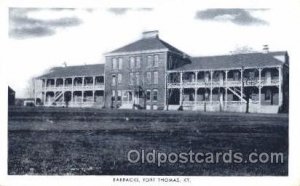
148	95
268	95
155	95
99	80
129	96
156	60
236	76
137	77
170	63
131	62
113	82
251	75
119	94
119	78
155	77
131	78
114	63
138	62
149	61
120	63
113	95
148	77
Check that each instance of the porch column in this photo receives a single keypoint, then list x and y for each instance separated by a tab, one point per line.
166	104
55	79
63	96
280	98
181	96
196	80
94	82
242	84
72	92
181	78
82	80
181	89
211	87
34	90
64	79
82	96
45	98
93	95
226	85
259	86
195	98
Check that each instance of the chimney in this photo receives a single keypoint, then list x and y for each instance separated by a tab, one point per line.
265	49
150	34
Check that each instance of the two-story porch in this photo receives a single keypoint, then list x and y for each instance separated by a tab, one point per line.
233	89
71	91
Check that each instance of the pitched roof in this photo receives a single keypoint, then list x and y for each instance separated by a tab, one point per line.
147	44
277	53
232	61
10	89
83	70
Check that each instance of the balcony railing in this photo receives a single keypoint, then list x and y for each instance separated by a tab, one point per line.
201	103
75	87
70	104
230	83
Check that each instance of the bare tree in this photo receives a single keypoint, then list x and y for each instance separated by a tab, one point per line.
247	91
139	88
170	92
30	88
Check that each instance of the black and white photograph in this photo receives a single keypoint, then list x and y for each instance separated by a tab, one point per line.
160	93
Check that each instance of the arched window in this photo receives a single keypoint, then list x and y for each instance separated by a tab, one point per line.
148	95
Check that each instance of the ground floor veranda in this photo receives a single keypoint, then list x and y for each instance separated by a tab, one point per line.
265	99
87	98
135	99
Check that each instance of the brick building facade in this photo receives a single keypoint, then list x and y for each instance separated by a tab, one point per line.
152	74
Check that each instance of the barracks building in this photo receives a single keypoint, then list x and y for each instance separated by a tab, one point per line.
152	74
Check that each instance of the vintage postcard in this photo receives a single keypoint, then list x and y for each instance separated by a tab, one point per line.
150	93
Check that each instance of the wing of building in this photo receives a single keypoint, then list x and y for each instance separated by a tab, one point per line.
152	74
71	86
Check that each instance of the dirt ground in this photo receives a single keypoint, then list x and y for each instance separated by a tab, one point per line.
60	141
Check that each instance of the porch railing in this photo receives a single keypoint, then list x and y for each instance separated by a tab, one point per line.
75	87
230	83
198	103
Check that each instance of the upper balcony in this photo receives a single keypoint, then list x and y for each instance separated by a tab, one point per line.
222	78
75	83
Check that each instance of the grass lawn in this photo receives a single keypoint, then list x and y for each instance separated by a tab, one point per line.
59	141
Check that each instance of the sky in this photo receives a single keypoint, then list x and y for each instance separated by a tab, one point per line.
41	38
